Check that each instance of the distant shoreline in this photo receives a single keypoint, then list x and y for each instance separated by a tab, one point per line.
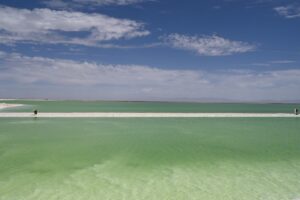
161	101
147	115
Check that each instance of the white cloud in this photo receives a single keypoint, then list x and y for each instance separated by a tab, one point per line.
282	61
59	71
289	11
208	45
274	62
72	79
50	26
261	64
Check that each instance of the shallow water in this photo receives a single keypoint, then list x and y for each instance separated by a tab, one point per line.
150	159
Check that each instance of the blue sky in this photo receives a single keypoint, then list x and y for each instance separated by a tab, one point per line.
236	50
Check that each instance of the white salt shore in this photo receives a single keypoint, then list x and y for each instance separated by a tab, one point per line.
144	115
8	105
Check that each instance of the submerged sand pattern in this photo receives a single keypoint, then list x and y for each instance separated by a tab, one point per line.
149	158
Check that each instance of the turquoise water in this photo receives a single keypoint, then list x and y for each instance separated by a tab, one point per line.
102	106
168	158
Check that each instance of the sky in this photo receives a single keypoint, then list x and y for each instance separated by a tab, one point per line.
155	50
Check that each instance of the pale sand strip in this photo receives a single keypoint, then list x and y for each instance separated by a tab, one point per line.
8	105
143	115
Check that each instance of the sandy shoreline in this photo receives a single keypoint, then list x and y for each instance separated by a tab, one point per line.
8	105
145	115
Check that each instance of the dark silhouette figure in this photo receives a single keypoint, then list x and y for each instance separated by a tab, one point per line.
296	111
35	112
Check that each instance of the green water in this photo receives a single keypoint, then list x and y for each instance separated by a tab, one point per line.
102	106
224	158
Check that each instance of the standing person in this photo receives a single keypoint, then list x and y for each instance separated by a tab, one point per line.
35	112
296	111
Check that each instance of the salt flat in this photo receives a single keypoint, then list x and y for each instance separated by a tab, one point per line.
6	105
142	115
